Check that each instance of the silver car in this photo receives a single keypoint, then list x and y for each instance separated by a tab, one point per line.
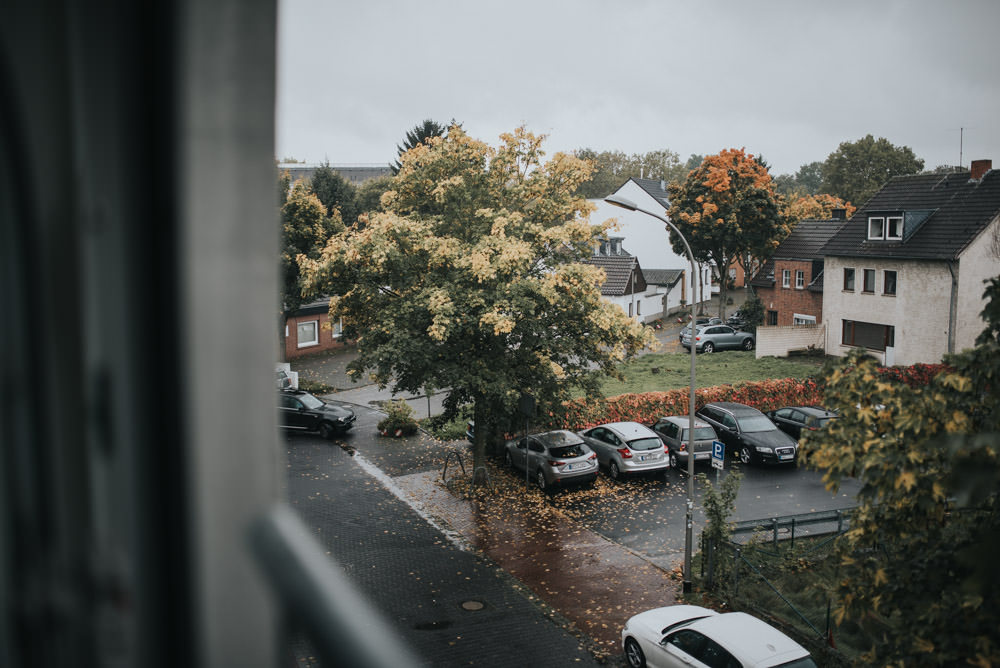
627	447
673	431
718	337
553	458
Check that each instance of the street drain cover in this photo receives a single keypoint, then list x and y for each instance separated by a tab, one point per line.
473	606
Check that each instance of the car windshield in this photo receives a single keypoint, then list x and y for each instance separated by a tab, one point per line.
645	444
755	423
804	662
700	434
310	401
574	450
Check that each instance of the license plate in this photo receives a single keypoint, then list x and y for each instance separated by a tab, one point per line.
702	455
784	457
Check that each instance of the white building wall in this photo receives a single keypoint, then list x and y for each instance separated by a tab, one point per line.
645	236
919	310
646	306
777	341
977	264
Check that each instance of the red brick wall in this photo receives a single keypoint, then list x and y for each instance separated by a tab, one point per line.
789	301
326	338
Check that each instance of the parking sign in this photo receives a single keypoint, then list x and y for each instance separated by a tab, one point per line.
718	455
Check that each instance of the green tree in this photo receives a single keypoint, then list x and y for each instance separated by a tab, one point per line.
368	197
807	181
613	168
305	228
335	192
473	281
857	170
419	135
916	564
727	210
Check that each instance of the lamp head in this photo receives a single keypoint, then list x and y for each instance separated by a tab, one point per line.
623	202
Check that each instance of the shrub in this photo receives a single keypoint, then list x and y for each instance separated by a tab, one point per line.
398	420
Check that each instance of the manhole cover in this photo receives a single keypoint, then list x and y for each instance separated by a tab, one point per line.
473	606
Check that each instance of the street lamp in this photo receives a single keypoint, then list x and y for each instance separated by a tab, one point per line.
629	205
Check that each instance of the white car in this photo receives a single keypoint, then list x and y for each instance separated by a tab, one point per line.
686	636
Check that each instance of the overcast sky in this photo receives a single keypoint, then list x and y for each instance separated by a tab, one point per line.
787	80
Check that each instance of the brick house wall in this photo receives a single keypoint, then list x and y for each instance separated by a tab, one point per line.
318	323
787	302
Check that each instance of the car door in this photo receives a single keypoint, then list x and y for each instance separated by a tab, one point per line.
292	412
782	418
536	454
680	649
726	337
667	431
517	453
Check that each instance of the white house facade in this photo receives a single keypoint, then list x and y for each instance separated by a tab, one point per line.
904	279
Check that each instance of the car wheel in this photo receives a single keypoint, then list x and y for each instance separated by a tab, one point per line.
326	430
614	471
708	347
748	344
507	460
540	480
673	460
746	455
634	655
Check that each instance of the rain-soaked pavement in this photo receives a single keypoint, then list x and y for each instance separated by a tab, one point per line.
593	582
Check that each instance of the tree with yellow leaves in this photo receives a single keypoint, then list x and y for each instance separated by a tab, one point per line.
916	567
471	280
728	210
814	207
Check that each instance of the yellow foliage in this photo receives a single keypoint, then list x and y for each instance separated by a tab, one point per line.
907	480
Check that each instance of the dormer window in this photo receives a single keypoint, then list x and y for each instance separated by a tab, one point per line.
876	228
894	228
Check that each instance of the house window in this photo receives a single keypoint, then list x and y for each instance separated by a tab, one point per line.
772	318
868	335
800	279
630	309
889	283
732	273
338	328
786	278
849	278
894	227
869	285
308	333
638	307
799	319
876	228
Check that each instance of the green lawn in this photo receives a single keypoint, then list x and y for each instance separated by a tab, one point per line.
674	371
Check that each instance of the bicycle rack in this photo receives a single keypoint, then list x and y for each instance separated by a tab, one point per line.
458	457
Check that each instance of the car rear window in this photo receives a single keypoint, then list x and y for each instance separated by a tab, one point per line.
700	434
575	450
645	444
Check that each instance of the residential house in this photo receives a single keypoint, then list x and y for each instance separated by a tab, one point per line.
790	284
309	330
647	237
904	277
671	284
625	284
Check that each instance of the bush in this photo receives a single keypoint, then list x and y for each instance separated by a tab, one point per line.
398	421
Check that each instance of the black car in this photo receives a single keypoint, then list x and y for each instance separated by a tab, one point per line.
749	433
794	419
302	411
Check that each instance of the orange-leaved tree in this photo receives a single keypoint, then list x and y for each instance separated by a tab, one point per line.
728	210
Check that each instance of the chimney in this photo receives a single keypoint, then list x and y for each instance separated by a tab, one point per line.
978	169
838	214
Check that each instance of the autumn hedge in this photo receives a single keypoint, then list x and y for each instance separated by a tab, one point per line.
764	395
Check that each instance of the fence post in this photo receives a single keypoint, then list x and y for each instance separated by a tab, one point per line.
774	532
840	521
793	533
738	555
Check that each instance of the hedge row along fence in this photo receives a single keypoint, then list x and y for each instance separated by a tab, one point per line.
765	395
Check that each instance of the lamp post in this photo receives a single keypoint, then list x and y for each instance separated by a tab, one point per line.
629	205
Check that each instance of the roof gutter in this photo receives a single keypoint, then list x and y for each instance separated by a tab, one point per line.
952	307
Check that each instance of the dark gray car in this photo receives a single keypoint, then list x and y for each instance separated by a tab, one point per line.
793	420
299	410
673	431
718	337
553	458
749	433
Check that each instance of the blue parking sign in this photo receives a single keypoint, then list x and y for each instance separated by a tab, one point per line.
718	454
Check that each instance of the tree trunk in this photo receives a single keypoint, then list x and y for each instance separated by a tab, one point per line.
480	413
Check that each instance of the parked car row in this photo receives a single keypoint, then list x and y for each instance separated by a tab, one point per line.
564	457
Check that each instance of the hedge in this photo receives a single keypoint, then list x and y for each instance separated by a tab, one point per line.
648	407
